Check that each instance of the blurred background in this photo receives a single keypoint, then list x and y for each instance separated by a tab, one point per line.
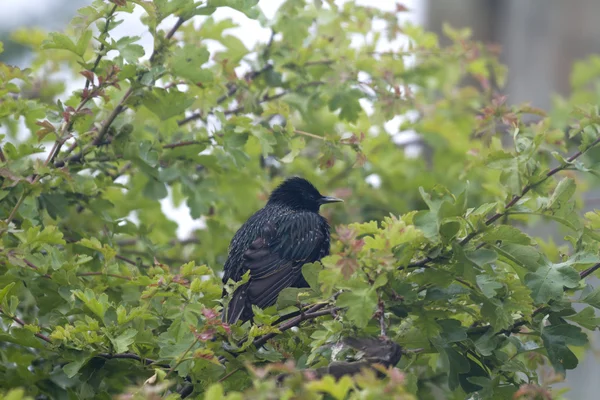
540	41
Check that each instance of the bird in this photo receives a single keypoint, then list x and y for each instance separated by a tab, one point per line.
274	244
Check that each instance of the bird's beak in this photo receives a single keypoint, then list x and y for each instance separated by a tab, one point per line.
330	199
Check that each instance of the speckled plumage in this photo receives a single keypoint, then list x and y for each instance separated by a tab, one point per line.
274	244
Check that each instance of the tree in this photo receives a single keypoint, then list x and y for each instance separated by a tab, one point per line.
98	297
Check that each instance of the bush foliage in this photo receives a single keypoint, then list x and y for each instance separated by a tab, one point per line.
100	298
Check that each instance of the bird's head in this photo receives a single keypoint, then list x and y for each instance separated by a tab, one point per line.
300	194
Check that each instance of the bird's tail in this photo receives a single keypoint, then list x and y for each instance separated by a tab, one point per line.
237	308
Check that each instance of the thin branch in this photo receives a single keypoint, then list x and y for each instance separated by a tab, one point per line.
127	260
181	358
2	156
513	201
129	278
589	271
185	143
22	323
15	209
34	267
240	109
174	242
101	49
101	134
314	312
131	356
168	37
311	135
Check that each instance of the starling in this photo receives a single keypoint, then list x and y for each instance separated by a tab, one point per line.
274	244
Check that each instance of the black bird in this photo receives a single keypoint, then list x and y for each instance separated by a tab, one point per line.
274	244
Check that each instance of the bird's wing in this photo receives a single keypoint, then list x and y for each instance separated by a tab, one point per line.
276	256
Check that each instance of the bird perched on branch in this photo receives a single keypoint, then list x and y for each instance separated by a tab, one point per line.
274	244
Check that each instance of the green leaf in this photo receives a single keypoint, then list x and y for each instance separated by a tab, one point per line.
288	297
561	196
506	234
71	369
310	272
155	189
556	339
186	62
60	41
488	285
586	318
549	281
22	337
592	298
452	330
361	304
166	104
245	6
4	291
348	104
122	342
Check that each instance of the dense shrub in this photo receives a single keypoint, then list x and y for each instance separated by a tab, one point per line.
99	297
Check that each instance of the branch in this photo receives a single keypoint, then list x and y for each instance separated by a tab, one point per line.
312	313
174	242
129	278
513	201
101	49
131	356
169	35
101	134
238	110
589	271
185	143
22	323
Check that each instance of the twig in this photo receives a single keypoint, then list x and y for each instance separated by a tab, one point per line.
22	323
104	274
174	242
131	356
168	36
127	260
312	135
34	267
15	208
2	157
314	312
100	137
181	358
101	49
184	143
238	110
512	202
589	271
